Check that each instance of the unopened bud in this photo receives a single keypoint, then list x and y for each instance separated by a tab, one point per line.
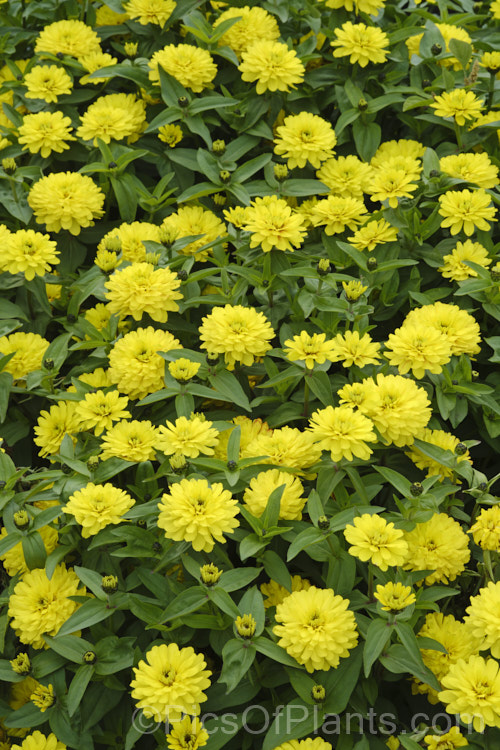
48	363
318	693
362	105
218	147
323	523
168	235
9	166
178	463
436	49
90	657
212	358
93	463
21	664
460	449
131	48
280	172
372	264
21	519
245	626
224	175
232	465
324	267
219	199
210	574
109	584
183	101
416	489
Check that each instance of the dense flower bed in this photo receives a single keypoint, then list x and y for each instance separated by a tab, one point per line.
249	397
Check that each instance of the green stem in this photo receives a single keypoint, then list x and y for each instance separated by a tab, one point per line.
318	291
370	581
487	565
306	397
491	90
458	135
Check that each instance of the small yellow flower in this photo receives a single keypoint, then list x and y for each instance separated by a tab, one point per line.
361	43
187	734
311	349
461	104
447	741
96	506
372	538
99	410
394	597
187	437
273	65
183	369
353	290
486	529
170	134
43	697
465	210
47	82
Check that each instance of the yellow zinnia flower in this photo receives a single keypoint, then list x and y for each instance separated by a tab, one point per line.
240	333
342	431
272	65
465	210
96	506
372	538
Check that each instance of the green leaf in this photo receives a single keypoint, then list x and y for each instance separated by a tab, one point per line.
461	50
303	540
6	382
237	658
340	682
223	601
320	385
79	683
34	550
272	512
398	661
232	580
58	350
277	569
69	646
233	445
124	70
378	633
367	137
273	651
227	388
187	601
92	580
88	614
252	603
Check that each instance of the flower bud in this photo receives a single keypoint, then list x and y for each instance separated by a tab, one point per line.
460	449
21	519
436	49
232	465
224	176
372	263
280	172
323	523
324	267
362	105
168	235
212	358
218	147
182	274
131	48
112	165
48	363
93	463
210	574
9	166
483	486
245	626
90	657
416	489
178	463
219	199
66	469
183	101
71	318
141	523
318	693
109	584
21	664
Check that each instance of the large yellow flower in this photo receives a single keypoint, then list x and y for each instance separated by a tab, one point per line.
150	11
170	682
305	138
134	363
337	212
353	349
261	487
440	545
254	23
190	221
486	529
71	37
361	43
40	605
45	132
195	511
66	200
273	224
398	408
47	82
390	184
484	617
96	506
272	65
39	741
372	538
343	431
192	66
129	239
130	440
456	263
53	425
475	168
287	446
316	628
419	349
28	349
188	437
458	325
472	690
276	593
141	288
460	104
466	210
29	252
113	117
239	333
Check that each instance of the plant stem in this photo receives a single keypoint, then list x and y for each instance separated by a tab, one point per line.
370	581
306	397
458	135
